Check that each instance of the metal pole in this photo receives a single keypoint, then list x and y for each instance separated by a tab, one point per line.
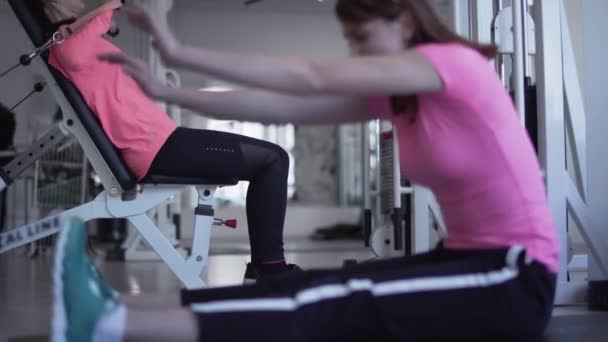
518	60
397	205
456	16
366	180
524	4
500	60
366	166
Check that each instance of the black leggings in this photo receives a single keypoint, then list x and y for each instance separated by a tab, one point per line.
475	295
195	153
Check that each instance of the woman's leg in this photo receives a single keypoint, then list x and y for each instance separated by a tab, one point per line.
86	308
484	295
266	199
472	296
221	156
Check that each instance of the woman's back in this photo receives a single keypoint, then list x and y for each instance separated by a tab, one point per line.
132	121
468	146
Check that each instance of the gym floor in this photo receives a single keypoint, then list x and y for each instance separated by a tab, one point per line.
25	287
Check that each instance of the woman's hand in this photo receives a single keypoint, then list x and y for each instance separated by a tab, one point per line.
163	39
114	4
139	71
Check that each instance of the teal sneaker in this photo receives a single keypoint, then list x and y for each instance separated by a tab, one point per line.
81	296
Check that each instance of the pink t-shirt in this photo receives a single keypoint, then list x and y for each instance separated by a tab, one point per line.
132	121
469	147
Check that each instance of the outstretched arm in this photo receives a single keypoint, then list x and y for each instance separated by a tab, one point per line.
408	73
248	105
269	107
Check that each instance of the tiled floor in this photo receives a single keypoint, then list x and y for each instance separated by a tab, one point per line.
25	285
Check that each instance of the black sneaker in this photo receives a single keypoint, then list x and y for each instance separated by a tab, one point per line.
252	276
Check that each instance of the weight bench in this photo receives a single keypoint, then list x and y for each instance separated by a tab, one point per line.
123	197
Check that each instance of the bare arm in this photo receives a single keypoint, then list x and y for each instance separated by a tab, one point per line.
269	107
407	73
247	105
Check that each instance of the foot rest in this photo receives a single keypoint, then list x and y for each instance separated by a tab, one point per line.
232	223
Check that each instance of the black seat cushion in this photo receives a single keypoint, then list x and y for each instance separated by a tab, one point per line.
158	179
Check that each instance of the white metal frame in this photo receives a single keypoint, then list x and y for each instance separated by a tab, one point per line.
187	269
558	80
424	209
115	202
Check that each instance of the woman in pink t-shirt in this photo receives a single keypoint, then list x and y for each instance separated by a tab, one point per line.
152	144
494	275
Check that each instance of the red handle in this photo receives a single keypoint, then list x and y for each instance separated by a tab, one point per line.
230	224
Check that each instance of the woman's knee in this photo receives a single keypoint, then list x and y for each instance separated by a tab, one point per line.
266	156
282	156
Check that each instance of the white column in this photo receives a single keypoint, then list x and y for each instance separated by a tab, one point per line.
595	13
518	59
481	15
551	115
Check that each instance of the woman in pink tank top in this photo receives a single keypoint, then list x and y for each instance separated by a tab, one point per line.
493	276
152	144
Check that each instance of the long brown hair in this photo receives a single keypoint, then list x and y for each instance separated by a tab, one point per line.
428	28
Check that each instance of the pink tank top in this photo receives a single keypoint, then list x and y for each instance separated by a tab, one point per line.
133	122
469	147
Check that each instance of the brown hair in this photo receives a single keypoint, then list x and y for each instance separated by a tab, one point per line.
429	28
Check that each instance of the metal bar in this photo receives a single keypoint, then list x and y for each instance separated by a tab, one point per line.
577	116
406	190
400	235
500	61
421	219
518	61
366	179
166	251
577	208
498	5
202	231
481	14
552	137
22	236
378	204
366	167
595	58
456	16
84	180
54	137
526	48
